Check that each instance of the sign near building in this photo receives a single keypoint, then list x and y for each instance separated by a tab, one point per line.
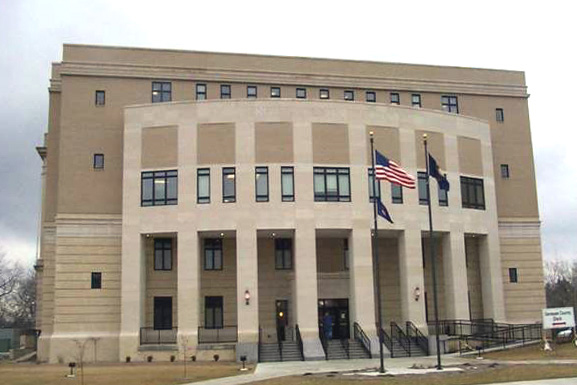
557	318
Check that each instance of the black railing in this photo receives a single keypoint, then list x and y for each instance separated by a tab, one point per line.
279	341
360	336
398	334
152	336
414	334
217	335
514	334
345	346
384	338
324	342
299	341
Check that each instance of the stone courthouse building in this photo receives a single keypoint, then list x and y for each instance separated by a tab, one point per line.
220	202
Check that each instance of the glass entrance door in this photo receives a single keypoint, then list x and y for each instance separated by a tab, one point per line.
281	318
334	318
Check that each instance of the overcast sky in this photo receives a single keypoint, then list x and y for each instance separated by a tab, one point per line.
517	35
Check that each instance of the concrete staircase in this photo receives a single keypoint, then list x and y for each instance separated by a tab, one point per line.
336	350
414	349
271	353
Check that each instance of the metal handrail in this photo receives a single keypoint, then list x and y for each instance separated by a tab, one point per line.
421	340
502	337
152	336
323	342
299	341
345	346
360	336
384	338
279	342
227	333
398	334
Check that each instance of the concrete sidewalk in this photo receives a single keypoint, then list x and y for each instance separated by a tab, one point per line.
557	381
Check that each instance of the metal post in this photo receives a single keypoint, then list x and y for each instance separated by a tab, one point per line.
432	248
376	279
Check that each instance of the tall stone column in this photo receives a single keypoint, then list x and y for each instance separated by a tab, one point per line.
491	281
455	275
412	277
188	289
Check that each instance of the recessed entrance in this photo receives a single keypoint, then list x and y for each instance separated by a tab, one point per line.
281	319
334	318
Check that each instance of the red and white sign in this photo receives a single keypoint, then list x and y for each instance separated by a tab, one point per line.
558	318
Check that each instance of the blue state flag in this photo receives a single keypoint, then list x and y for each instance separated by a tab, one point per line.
383	212
435	172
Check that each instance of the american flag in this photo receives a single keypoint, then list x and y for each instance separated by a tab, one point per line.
388	170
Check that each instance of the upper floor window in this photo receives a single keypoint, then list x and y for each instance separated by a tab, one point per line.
225	91
371	96
346	264
161	92
324	93
287	184
275	92
443	197
371	185
159	188
450	104
396	193
499	115
395	98
98	161
228	184
100	98
251	91
301	93
213	254
200	91
283	253
472	193
162	254
422	186
96	280
416	100
513	275
332	184
203	185
349	95
261	184
505	171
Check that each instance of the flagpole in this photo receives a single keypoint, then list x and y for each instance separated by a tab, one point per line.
376	259
432	246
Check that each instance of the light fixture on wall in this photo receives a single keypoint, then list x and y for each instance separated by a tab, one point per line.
247	297
417	293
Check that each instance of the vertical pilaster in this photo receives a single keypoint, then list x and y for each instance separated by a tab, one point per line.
455	275
412	277
491	281
188	289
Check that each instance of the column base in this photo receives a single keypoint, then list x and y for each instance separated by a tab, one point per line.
313	349
248	349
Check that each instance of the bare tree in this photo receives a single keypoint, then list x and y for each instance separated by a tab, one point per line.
9	275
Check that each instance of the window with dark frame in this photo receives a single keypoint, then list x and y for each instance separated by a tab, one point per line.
228	184
283	253
213	257
159	188
213	312
100	98
203	185
324	93
162	254
201	91
513	275
371	96
396	193
161	92
162	313
377	184
301	93
472	193
225	91
287	184
499	115
275	92
349	95
96	280
251	92
346	254
450	104
98	161
332	184
416	100
422	187
395	98
443	197
505	171
261	184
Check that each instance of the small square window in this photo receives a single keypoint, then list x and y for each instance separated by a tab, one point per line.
225	91
161	92
450	104
505	171
371	96
200	91
100	98
349	95
301	93
324	93
395	98
96	280
499	115
251	91
416	100
513	275
98	162
275	92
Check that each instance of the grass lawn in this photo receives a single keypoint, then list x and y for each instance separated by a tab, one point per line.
485	375
161	373
566	351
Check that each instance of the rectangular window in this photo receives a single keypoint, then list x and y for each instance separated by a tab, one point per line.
228	184
513	277
98	161
159	188
505	171
395	98
422	185
251	91
162	254
450	104
396	193
301	93
443	197
287	184
283	253
162	313
261	184
203	185
213	254
161	92
472	193
275	92
213	313
349	95
201	92
324	93
346	254
377	184
332	184
416	100
371	96
100	98
225	91
499	115
96	280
